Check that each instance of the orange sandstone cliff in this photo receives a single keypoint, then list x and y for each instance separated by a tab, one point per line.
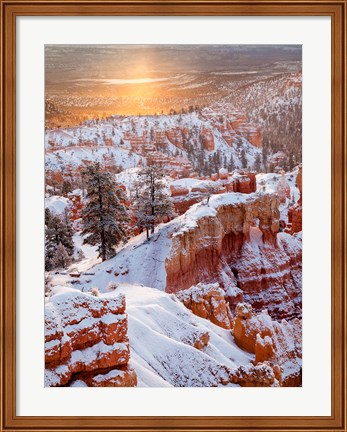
86	340
235	241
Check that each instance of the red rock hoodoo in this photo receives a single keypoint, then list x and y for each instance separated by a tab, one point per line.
86	340
276	343
207	301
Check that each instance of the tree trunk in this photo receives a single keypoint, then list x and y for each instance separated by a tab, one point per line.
102	233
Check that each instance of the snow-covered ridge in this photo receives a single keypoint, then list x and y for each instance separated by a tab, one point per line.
128	141
162	334
143	262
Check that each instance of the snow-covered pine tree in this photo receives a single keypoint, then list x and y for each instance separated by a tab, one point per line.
257	163
151	202
105	215
61	258
243	159
57	230
231	165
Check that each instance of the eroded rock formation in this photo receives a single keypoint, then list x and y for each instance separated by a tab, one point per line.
208	301
283	189
235	241
257	375
295	212
86	339
207	138
184	197
276	343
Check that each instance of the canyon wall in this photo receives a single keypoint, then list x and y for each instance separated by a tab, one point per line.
235	242
86	340
295	212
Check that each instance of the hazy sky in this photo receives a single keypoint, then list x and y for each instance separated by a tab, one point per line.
74	62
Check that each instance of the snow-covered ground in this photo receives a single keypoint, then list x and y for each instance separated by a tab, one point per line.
268	183
87	142
140	261
76	155
56	204
161	330
162	333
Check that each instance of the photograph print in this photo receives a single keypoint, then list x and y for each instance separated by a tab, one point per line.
173	216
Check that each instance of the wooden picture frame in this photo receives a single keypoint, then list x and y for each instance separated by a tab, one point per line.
10	9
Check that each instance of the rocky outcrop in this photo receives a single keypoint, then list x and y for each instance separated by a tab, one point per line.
299	182
276	343
295	218
86	339
178	190
235	241
283	189
207	301
183	202
243	182
184	197
257	375
218	233
270	276
207	138
251	133
295	212
120	377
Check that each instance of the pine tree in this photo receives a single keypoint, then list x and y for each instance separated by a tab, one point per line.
57	230
151	203
264	156
66	188
80	255
243	159
257	163
61	258
231	165
105	216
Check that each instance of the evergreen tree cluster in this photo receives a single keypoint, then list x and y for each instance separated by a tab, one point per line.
59	245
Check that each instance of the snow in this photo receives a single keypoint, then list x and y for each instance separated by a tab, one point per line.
140	261
108	138
76	155
162	333
143	262
88	250
268	183
113	374
56	204
186	182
